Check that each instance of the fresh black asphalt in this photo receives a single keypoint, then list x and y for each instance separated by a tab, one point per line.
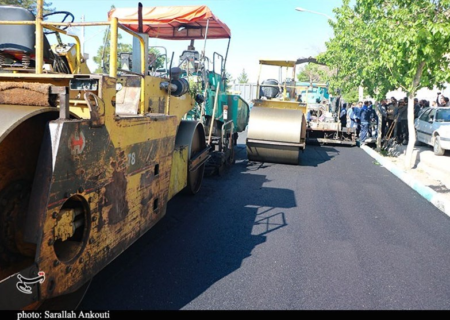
337	232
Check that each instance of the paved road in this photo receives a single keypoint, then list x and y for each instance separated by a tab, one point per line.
337	232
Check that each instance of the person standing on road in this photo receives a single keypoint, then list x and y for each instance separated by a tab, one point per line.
357	112
343	115
365	121
382	107
392	111
373	123
402	125
353	114
416	108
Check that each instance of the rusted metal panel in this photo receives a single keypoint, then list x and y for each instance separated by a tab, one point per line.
178	174
125	196
199	159
118	169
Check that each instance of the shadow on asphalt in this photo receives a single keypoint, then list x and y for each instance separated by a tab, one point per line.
201	240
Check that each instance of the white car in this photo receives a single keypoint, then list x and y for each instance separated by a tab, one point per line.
433	128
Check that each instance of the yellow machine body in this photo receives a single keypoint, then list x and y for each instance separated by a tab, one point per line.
88	164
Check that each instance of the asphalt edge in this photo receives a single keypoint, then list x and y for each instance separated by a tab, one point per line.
429	194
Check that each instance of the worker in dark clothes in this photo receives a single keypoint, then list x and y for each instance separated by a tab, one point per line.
402	124
343	115
383	110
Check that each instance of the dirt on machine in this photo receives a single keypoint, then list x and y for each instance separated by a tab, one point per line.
90	161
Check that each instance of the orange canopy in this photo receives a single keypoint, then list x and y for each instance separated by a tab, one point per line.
165	22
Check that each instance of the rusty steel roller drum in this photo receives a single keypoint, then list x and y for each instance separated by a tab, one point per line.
275	135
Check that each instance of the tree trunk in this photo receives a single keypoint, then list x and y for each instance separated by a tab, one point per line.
409	161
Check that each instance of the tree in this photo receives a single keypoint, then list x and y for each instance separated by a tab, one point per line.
351	95
243	77
314	73
28	4
384	45
228	81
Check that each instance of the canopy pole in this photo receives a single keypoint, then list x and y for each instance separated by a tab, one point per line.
205	75
206	37
39	37
226	57
140	20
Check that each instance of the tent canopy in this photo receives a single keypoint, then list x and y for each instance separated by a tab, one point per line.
174	22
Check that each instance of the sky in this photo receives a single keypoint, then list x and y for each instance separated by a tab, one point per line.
260	29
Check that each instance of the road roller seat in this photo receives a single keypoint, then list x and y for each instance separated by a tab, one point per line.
18	41
189	59
290	89
269	89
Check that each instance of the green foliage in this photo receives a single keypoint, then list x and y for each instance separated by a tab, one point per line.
352	95
383	45
243	77
228	81
160	58
102	57
195	85
28	4
314	73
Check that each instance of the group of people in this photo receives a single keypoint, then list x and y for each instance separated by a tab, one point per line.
394	124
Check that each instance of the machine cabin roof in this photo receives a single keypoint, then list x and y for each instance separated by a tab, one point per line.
174	22
278	63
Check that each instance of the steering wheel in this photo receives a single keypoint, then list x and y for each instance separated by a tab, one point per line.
66	14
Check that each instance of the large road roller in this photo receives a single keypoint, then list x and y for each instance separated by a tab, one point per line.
88	162
277	125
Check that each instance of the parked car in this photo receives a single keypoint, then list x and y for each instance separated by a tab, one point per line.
433	128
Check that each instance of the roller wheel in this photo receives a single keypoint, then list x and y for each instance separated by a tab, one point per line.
195	178
19	152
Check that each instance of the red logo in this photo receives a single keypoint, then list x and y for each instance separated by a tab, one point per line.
77	143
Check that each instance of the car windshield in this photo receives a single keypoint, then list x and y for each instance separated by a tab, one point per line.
443	115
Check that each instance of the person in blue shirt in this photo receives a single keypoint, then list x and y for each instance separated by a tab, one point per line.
354	114
365	121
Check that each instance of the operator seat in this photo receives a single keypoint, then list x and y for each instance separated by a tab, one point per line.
17	42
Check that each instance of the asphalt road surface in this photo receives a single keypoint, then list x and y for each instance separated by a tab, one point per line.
337	232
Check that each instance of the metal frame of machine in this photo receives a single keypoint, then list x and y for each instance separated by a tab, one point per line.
323	118
89	161
224	115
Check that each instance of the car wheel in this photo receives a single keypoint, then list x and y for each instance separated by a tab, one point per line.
437	147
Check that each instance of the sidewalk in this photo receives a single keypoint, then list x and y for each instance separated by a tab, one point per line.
430	176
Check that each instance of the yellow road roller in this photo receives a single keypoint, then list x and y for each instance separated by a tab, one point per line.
88	162
277	125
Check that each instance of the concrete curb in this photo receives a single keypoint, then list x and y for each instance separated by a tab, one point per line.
429	194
